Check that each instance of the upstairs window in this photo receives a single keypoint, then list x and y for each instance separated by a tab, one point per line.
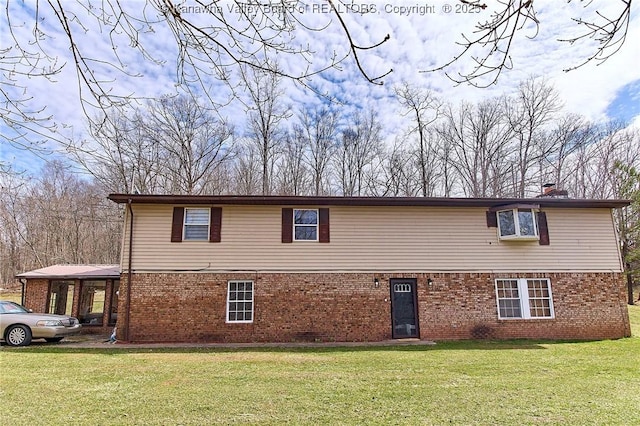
305	225
196	224
517	224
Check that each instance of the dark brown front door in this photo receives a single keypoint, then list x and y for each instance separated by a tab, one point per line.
404	312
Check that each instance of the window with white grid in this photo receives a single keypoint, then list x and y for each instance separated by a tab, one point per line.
524	298
240	301
539	298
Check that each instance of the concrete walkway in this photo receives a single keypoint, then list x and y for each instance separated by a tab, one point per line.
102	342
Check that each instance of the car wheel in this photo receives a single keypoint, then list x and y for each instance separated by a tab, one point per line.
18	335
53	339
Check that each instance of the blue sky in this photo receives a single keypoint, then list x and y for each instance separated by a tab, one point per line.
422	35
625	106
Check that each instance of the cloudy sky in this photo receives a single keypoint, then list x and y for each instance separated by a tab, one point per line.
423	35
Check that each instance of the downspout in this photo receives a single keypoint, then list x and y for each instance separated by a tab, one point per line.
129	270
23	281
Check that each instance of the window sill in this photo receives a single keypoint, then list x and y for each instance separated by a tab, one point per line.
527	319
519	238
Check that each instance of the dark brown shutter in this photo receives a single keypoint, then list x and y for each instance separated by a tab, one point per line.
323	228
287	225
492	219
215	225
176	224
543	228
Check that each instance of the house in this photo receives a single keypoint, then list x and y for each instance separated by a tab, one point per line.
88	292
282	269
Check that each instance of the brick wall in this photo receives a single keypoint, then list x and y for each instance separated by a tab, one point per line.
290	307
36	294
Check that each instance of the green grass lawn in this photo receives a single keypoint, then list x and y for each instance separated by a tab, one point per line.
519	382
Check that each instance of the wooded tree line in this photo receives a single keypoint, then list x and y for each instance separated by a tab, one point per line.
507	146
53	216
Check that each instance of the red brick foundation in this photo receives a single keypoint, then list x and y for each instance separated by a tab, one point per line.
297	307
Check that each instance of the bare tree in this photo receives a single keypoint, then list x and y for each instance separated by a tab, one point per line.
267	115
55	217
627	179
479	137
293	175
359	146
444	156
528	112
172	145
570	133
247	179
592	163
193	142
121	156
399	174
423	107
318	128
13	186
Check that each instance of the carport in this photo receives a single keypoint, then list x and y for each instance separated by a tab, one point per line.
87	292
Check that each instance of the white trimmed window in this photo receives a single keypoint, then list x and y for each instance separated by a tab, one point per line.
305	225
524	298
517	224
196	224
240	301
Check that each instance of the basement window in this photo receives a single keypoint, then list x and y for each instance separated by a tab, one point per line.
240	301
524	298
517	224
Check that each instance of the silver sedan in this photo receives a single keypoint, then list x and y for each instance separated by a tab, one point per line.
18	325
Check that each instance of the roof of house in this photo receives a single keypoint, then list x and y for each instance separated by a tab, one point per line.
363	201
62	272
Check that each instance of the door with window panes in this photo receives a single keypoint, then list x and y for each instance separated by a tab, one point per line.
404	308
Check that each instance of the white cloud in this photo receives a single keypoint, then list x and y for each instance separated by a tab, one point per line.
421	36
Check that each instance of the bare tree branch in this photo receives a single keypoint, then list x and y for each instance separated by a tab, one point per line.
489	49
610	34
209	45
494	39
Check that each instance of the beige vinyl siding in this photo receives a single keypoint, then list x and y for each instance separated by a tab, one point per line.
377	239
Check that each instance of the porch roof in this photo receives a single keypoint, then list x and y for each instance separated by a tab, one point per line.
60	272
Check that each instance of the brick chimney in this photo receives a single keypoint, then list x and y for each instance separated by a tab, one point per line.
549	190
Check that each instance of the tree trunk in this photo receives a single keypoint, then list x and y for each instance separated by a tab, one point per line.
630	300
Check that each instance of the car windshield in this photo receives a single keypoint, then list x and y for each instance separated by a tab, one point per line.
12	308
